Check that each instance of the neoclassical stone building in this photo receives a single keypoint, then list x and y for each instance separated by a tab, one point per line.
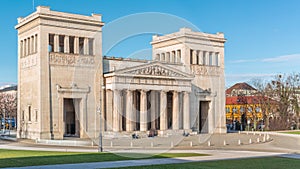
66	85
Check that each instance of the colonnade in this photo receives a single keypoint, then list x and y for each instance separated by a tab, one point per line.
170	57
28	45
199	57
149	117
71	44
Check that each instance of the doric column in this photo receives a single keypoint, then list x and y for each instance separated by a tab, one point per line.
86	46
216	63
157	57
116	110
200	60
66	45
204	53
167	56
56	43
152	102
143	111
194	57
186	110
76	45
163	110
175	111
178	56
207	58
172	57
162	57
129	112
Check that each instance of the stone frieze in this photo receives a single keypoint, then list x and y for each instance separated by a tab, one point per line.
71	60
155	71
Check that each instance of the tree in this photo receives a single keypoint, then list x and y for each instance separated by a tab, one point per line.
8	105
279	100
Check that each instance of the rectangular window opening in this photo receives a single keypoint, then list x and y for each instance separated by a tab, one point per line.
51	43
71	43
61	44
81	46
29	113
191	56
35	43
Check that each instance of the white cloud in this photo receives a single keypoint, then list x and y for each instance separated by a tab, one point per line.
244	61
284	58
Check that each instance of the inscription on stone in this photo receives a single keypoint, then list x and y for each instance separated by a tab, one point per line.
205	70
28	61
71	60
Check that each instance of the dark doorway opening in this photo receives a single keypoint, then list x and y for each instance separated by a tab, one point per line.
203	113
71	119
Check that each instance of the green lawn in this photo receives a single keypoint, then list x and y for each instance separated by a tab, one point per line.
251	163
20	158
292	132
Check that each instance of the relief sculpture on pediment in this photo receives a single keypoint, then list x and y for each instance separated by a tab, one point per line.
155	71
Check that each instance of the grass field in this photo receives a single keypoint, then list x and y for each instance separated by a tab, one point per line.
252	163
292	132
21	158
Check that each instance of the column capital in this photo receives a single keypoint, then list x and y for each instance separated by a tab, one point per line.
186	92
143	90
176	91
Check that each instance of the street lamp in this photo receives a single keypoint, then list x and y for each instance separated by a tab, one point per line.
242	112
4	126
234	110
100	147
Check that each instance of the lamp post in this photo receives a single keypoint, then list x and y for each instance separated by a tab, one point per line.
242	112
234	110
4	126
248	122
100	147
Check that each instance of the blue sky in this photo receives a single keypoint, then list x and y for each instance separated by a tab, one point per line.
263	36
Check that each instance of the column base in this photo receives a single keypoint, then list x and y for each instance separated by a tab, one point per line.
220	130
164	133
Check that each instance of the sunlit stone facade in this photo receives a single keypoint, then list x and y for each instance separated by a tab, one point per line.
66	86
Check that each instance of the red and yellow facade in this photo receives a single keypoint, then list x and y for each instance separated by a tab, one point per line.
236	106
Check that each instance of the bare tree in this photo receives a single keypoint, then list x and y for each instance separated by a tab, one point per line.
279	100
264	97
8	105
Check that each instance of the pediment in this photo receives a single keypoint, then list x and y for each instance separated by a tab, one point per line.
155	69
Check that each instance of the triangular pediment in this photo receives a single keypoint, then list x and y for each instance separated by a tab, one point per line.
155	69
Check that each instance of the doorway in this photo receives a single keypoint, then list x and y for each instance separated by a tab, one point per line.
203	114
71	117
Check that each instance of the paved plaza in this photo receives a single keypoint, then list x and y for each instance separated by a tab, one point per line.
219	146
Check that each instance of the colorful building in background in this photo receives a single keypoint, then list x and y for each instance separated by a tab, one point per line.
243	108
